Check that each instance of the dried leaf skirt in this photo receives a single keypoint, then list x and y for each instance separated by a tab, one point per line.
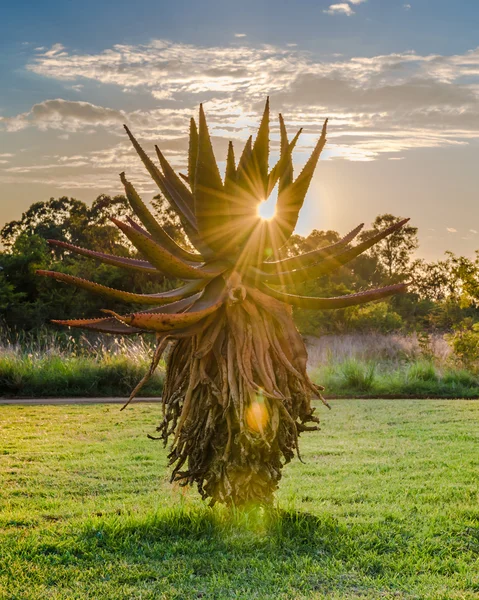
236	398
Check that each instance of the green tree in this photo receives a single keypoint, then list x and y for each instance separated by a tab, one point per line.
432	280
69	220
393	253
28	301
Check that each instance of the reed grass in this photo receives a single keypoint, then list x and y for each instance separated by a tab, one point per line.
50	364
56	364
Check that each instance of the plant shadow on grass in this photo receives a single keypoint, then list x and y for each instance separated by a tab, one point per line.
284	553
216	554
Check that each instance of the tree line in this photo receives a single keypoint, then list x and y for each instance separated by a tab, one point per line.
442	294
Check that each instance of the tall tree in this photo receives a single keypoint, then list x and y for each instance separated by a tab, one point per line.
394	253
69	220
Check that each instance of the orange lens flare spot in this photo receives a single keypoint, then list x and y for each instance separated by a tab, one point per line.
257	416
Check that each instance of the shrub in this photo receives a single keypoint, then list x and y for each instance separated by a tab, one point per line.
465	344
357	376
375	317
422	370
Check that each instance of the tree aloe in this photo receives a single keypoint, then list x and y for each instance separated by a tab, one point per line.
237	395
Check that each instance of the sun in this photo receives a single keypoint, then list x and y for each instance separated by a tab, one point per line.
267	209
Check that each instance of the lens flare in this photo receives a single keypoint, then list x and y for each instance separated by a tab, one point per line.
257	415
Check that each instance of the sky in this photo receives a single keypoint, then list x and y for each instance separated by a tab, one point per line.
398	80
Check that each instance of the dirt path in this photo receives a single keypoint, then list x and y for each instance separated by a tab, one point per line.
52	401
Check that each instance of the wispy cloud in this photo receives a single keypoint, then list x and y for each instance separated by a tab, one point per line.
451	230
240	35
379	105
339	9
343	8
406	6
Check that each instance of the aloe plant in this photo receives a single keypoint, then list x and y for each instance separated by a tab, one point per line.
237	395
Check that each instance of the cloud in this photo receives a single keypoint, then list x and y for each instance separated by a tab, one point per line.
339	9
473	230
379	105
406	6
240	35
342	8
55	50
63	114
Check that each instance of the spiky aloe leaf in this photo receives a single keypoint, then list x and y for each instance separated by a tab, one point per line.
283	166
328	265
244	177
210	301
192	154
291	197
310	258
134	264
166	262
211	215
314	303
230	173
102	325
184	212
152	225
160	298
260	152
175	182
113	325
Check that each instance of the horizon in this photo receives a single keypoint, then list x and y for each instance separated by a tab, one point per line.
399	82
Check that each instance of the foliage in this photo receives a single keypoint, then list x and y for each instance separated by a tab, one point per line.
393	254
465	343
415	379
425	345
69	220
51	364
375	317
28	302
55	364
442	294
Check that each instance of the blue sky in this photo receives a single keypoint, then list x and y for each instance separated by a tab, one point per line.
400	81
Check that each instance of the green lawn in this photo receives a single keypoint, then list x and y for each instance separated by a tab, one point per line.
386	505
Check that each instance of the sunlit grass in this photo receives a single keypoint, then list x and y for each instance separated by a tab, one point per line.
384	506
